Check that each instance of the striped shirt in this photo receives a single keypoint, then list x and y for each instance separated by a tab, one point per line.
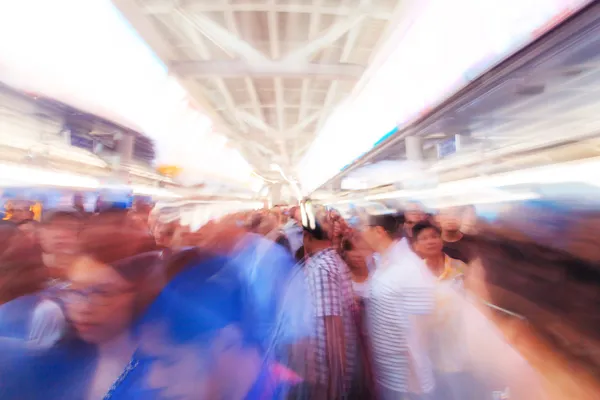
401	294
330	284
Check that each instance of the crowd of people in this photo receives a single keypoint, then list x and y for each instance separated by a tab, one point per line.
290	302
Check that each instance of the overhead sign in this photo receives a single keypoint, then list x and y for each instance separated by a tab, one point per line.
447	147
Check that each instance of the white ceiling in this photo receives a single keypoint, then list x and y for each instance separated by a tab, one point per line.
267	72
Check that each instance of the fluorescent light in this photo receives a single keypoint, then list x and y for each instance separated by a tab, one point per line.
25	176
155	192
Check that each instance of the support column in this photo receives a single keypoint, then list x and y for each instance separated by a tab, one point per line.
123	157
414	148
125	148
275	194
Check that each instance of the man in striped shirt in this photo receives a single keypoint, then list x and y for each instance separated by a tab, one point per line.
335	340
401	299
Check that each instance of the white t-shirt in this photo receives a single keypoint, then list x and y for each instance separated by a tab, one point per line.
401	296
48	325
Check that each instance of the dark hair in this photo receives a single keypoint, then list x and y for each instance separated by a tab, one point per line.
299	256
52	216
391	223
21	265
283	241
423	225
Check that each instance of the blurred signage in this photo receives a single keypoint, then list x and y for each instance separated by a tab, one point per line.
82	142
169	170
446	147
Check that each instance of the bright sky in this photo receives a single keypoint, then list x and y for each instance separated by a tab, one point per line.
84	53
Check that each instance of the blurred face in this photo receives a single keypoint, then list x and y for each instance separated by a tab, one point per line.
449	220
373	236
60	236
99	302
21	214
30	231
412	218
182	372
163	234
429	243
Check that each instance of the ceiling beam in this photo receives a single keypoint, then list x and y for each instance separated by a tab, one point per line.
331	35
267	69
232	25
166	7
224	39
190	30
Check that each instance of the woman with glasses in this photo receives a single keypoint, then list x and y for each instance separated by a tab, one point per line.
109	284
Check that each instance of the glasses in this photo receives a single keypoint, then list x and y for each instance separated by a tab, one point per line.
133	269
93	295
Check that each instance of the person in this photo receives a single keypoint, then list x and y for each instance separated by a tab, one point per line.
20	211
30	229
330	283
448	350
59	232
412	215
79	203
203	342
455	244
401	300
114	277
293	229
428	243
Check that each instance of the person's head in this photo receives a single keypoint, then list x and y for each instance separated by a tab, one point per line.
379	231
164	232
79	201
21	211
295	214
449	219
412	215
112	280
29	228
427	239
197	335
59	232
316	230
22	270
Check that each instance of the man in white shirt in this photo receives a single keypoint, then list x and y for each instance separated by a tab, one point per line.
401	300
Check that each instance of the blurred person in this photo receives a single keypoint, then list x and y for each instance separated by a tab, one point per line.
21	211
330	283
429	245
357	262
293	229
401	300
22	271
412	215
447	346
79	203
30	229
450	222
164	233
202	343
111	281
59	233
